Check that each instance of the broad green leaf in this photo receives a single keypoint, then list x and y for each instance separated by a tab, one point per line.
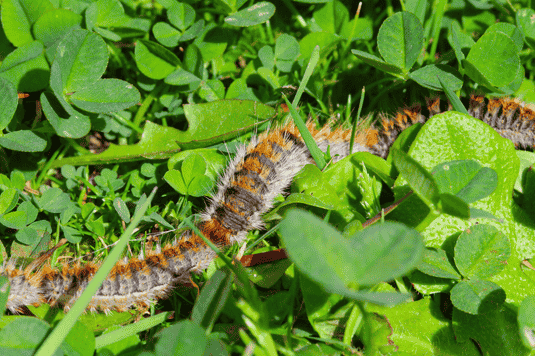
400	40
106	95
337	263
16	340
80	61
17	178
332	16
215	161
481	214
108	180
477	296
200	185
96	322
323	309
510	30
212	89
478	21
375	333
325	40
75	236
155	61
481	251
182	77
208	124
44	229
192	32
524	22
436	263
286	52
213	41
419	179
72	209
453	205
385	251
269	76
54	200
8	102
358	29
526	321
166	34
175	179
18	17
267	57
420	328
225	116
189	77
109	35
512	87
132	27
182	338
105	13
265	275
5	183
212	299
192	166
427	77
418	8
30	210
26	67
55	24
238	89
495	332
8	200
95	226
378	63
253	15
493	61
231	5
14	220
466	179
319	251
526	91
181	15
121	209
455	39
27	235
296	198
311	181
75	125
24	141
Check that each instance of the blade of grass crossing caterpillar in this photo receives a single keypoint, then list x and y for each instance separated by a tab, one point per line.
454	100
316	153
56	337
130	330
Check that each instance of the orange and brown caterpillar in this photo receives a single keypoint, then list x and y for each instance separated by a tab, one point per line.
258	173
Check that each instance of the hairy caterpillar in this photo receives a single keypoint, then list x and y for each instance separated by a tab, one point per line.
257	174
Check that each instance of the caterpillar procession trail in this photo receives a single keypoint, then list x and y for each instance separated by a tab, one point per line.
258	173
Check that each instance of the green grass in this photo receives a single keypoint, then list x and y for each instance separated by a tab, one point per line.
169	89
